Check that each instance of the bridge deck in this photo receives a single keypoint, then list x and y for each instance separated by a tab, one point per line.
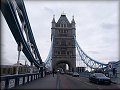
65	82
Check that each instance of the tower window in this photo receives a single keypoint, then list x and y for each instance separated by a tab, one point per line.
59	31
63	24
57	43
63	52
66	31
63	42
62	31
69	52
58	52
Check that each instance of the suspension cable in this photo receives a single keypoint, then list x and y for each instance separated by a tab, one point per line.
89	62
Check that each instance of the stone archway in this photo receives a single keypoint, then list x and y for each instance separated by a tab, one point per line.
62	64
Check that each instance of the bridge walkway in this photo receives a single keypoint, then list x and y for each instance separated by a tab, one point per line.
48	82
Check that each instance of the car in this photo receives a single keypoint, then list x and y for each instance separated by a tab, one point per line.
69	73
99	78
62	72
75	74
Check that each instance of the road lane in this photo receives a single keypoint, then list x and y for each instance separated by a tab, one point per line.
69	82
100	86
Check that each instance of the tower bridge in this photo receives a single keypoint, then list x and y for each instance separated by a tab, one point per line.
62	51
64	46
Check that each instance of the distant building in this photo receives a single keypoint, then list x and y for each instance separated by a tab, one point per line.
11	69
80	69
118	69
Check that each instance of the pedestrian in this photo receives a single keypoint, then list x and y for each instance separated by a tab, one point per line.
53	72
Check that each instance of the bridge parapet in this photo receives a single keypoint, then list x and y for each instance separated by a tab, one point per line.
11	81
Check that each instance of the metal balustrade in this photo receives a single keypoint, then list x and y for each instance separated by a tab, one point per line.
11	81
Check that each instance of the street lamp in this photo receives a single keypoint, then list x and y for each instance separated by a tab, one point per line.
20	48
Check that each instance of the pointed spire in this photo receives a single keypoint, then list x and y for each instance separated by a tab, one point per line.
73	21
54	16
73	16
63	13
53	21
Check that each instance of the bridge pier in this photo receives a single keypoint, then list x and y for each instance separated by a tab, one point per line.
31	68
41	71
20	48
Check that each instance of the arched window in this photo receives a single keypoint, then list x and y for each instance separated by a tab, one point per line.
63	24
58	52
63	43
57	43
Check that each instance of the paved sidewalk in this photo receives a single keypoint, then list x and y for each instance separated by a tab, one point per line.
116	80
48	82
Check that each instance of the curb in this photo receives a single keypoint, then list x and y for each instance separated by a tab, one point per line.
113	82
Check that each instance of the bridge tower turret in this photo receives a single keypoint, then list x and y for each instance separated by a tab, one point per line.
73	27
53	27
73	23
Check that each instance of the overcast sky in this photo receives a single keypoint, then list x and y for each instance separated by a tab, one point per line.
97	28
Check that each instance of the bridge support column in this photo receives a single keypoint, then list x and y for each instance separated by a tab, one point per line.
73	70
41	72
31	68
20	47
17	69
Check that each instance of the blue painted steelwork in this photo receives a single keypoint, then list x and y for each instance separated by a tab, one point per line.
12	9
93	64
21	5
48	61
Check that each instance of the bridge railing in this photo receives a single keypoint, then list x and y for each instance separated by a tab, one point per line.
11	81
85	74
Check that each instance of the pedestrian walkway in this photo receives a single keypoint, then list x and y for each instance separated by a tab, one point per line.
48	82
115	80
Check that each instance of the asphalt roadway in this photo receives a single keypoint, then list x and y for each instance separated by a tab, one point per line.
63	81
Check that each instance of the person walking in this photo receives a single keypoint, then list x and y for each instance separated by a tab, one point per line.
53	72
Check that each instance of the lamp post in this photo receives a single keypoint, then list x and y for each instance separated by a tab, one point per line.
20	47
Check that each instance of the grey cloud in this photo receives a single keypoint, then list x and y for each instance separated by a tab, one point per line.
94	52
108	26
48	9
22	56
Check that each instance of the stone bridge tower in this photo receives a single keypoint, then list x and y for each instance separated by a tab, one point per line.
63	50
